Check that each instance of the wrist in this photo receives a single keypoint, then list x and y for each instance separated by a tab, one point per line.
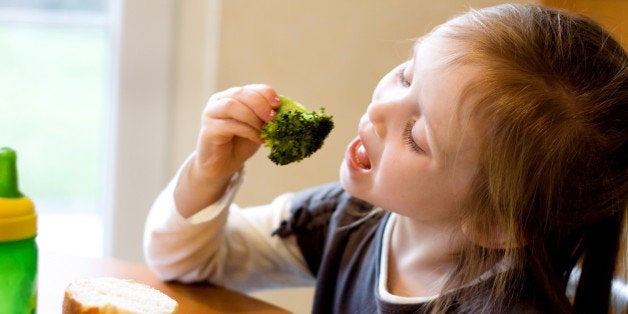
195	191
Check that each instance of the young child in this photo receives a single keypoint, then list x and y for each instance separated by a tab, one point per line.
485	168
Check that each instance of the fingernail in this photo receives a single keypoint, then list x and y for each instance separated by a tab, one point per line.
276	100
271	115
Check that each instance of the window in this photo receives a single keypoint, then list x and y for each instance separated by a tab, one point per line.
55	61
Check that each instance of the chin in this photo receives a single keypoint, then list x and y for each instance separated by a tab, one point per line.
346	181
350	185
344	178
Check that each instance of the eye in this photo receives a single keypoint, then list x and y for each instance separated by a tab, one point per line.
401	77
409	139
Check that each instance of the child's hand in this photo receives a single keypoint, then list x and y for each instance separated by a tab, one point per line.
230	128
229	135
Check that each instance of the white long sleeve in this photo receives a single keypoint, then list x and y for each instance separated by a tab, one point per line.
224	244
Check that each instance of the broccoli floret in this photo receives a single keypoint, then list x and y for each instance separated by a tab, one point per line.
295	133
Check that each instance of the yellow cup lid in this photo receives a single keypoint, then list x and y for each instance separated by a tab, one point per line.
17	213
18	219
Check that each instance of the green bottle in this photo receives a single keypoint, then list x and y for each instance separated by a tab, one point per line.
18	250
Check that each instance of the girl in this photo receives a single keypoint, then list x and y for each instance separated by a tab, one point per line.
485	168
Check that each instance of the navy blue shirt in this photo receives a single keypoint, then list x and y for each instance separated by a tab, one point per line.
341	241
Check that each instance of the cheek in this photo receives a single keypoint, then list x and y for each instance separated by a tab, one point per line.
417	187
462	176
401	184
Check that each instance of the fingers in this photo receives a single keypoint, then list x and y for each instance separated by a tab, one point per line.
223	131
238	112
230	129
251	104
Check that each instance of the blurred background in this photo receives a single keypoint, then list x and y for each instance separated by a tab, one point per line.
102	98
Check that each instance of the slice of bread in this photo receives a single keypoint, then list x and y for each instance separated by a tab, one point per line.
115	296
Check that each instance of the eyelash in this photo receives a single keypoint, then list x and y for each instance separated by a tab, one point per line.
407	137
401	78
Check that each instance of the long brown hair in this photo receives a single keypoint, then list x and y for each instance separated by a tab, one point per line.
552	99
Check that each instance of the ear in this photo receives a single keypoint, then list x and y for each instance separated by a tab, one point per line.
496	238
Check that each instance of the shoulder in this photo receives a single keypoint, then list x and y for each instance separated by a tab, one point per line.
327	197
318	205
317	217
322	194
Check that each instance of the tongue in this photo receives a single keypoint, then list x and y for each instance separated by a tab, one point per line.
362	157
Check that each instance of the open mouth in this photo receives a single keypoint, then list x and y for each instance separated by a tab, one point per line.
361	157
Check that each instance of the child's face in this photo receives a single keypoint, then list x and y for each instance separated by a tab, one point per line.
414	154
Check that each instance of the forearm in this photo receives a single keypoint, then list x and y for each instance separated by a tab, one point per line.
224	244
193	192
175	245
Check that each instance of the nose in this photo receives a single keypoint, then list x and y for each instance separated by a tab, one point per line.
377	113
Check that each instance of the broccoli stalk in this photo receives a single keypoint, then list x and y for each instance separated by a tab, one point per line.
295	133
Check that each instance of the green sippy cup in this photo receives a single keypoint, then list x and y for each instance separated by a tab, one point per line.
18	250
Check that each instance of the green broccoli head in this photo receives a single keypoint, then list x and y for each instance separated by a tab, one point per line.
295	133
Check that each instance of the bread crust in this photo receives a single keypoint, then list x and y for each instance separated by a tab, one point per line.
76	305
72	306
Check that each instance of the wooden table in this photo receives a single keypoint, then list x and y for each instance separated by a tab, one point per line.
56	271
